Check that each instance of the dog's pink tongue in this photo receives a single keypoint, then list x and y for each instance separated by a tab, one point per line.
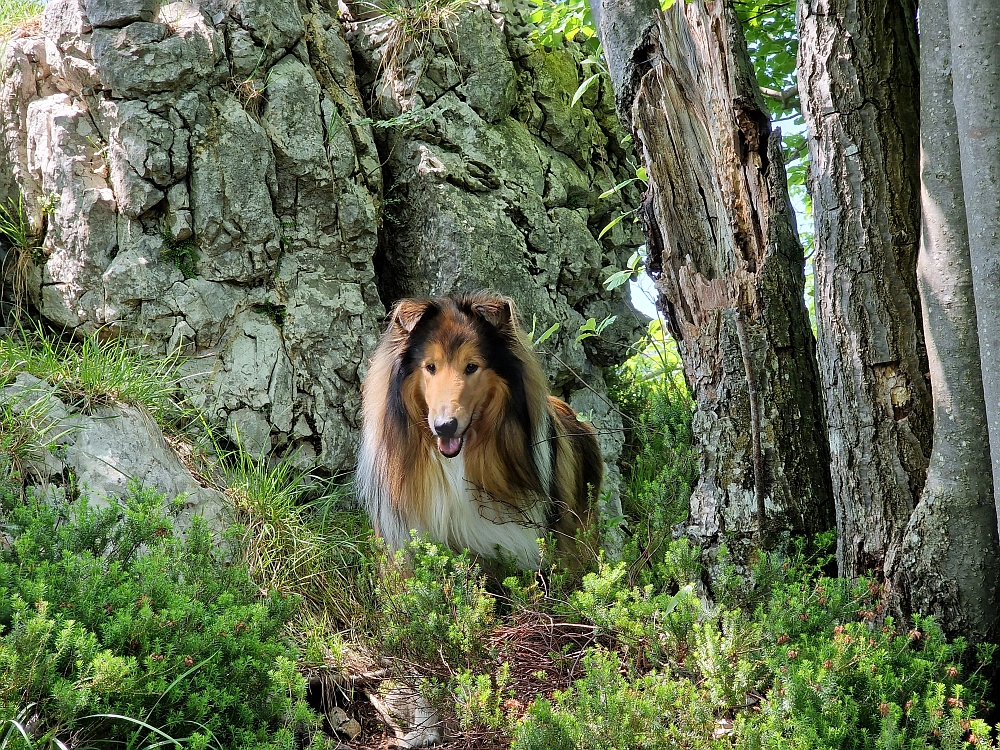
449	446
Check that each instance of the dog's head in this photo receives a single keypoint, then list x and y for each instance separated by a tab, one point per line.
457	364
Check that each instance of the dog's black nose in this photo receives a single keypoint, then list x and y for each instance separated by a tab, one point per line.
446	429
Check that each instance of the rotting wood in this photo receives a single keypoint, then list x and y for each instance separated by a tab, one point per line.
720	225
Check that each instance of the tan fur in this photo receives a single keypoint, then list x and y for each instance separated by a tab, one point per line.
526	466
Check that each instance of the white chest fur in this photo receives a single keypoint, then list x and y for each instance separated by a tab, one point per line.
456	514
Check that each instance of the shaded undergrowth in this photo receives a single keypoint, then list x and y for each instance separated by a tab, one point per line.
115	626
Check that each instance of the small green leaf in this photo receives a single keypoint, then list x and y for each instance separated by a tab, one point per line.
613	223
584	87
605	323
616	188
641	174
545	336
616	279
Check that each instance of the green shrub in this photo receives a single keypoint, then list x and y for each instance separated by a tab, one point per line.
610	710
797	660
438	608
107	611
658	460
641	621
480	698
841	676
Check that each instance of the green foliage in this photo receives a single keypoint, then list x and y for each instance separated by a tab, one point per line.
106	612
845	678
805	662
773	43
16	232
297	534
480	699
15	229
658	462
637	617
270	310
438	609
608	709
559	20
413	22
93	372
183	254
26	431
569	20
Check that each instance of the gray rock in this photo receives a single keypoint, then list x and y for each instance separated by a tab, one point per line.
82	232
64	22
258	163
489	82
157	150
254	373
232	174
134	195
208	307
263	31
180	222
176	53
350	729
117	445
108	449
134	276
120	12
251	430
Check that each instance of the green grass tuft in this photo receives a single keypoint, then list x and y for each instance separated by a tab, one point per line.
95	372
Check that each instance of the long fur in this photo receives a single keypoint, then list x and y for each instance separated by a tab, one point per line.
527	466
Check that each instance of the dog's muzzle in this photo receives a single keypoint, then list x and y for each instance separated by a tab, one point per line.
449	445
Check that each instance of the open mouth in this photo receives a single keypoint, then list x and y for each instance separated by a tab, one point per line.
450	447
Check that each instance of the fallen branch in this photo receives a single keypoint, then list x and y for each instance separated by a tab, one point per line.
383	711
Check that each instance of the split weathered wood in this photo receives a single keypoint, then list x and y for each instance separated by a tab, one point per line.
723	248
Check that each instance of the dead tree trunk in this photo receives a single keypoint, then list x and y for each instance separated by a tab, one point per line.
858	84
949	550
725	252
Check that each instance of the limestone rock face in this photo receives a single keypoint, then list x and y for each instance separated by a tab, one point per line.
110	447
494	182
216	176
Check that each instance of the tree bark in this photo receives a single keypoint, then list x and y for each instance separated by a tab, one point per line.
724	250
858	80
950	548
975	51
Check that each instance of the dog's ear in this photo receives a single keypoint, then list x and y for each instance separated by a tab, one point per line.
498	311
408	312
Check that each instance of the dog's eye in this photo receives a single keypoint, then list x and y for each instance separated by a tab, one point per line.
431	367
471	368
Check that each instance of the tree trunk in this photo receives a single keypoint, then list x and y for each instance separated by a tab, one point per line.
975	51
725	253
949	549
858	83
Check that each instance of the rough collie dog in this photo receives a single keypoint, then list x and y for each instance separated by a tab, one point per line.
462	441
